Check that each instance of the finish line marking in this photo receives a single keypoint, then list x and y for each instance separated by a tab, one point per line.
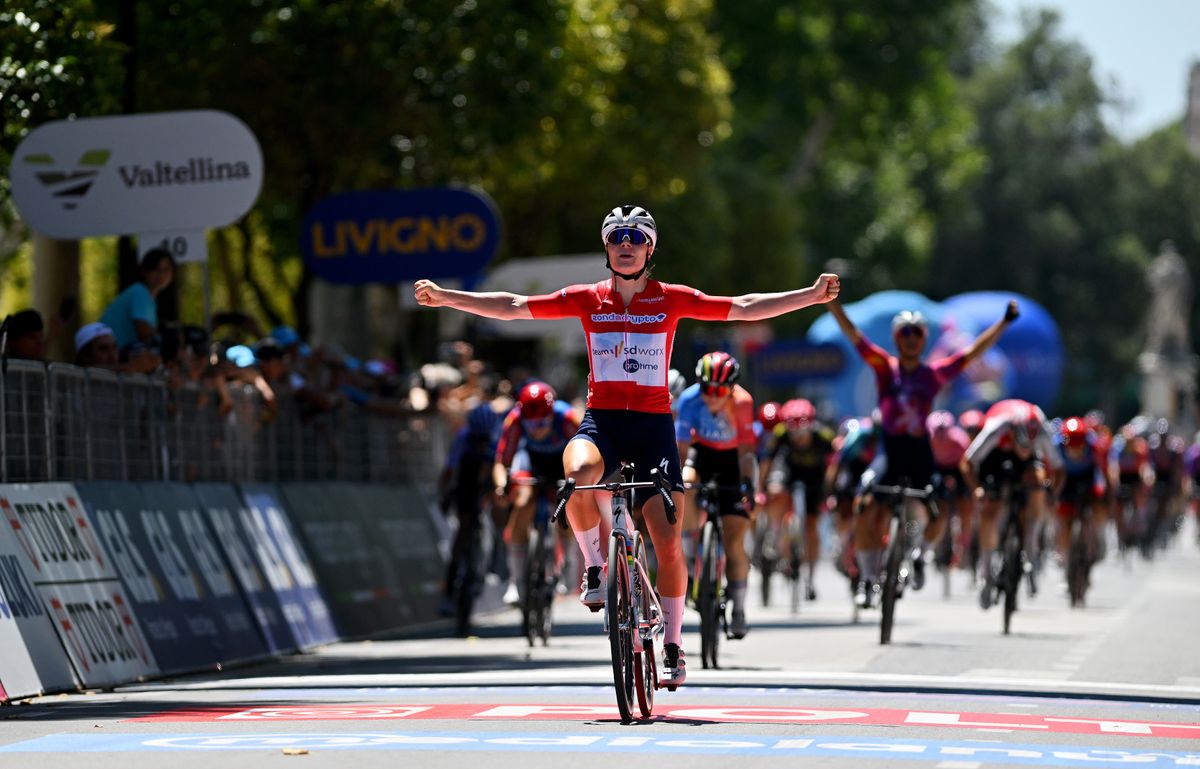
1001	722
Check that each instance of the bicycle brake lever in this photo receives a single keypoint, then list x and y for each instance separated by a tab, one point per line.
564	493
664	490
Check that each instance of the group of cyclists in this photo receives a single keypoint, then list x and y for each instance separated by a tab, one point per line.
771	460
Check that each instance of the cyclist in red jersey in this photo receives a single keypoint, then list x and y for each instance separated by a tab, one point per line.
907	387
1014	449
629	324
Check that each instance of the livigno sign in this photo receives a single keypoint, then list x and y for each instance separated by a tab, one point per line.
129	174
397	235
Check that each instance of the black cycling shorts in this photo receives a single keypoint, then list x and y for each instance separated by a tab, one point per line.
646	440
909	461
722	466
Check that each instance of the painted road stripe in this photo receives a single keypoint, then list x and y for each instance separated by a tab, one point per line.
995	680
1006	722
617	742
726	692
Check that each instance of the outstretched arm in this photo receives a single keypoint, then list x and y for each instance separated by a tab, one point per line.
763	306
500	305
993	332
844	323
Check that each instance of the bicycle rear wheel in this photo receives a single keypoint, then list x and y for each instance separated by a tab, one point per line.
708	601
891	582
621	628
644	668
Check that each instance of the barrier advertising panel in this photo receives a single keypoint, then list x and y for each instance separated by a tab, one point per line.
60	554
356	570
32	661
400	516
184	546
225	512
288	569
187	603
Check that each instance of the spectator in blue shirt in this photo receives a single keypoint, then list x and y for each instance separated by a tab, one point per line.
133	315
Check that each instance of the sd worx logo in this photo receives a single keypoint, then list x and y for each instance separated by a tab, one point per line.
69	186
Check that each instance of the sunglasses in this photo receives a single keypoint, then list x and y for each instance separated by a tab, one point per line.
635	236
715	390
537	425
908	331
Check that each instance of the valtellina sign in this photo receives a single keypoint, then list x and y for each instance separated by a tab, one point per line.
131	174
396	235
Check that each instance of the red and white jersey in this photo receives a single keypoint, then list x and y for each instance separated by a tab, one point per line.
629	348
1004	417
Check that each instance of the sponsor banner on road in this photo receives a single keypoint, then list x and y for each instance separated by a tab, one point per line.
728	714
227	515
288	569
59	550
865	751
354	566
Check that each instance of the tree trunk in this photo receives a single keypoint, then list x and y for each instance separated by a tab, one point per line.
56	293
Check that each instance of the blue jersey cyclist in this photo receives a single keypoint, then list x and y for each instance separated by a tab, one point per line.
715	431
530	449
629	323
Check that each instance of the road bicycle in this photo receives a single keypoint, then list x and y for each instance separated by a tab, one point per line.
1081	554
633	616
709	583
1013	563
783	551
542	568
903	532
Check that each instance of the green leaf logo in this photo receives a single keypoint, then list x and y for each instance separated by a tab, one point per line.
70	186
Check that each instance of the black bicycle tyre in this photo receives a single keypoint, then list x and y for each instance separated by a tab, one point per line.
796	560
1077	566
1011	577
891	582
620	630
644	661
534	574
710	602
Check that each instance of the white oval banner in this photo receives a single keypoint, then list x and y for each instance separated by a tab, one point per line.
129	174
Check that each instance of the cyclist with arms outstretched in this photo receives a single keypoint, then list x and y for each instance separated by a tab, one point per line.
715	430
907	386
629	322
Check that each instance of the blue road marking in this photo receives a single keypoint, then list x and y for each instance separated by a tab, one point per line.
618	742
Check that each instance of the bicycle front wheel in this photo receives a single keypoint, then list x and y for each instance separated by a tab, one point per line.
1011	578
708	601
621	629
891	582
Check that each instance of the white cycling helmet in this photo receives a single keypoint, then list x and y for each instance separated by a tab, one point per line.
632	217
676	383
906	318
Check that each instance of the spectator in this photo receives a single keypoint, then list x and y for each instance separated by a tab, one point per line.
96	347
133	315
26	335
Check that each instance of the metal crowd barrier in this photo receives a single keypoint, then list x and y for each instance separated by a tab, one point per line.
65	423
